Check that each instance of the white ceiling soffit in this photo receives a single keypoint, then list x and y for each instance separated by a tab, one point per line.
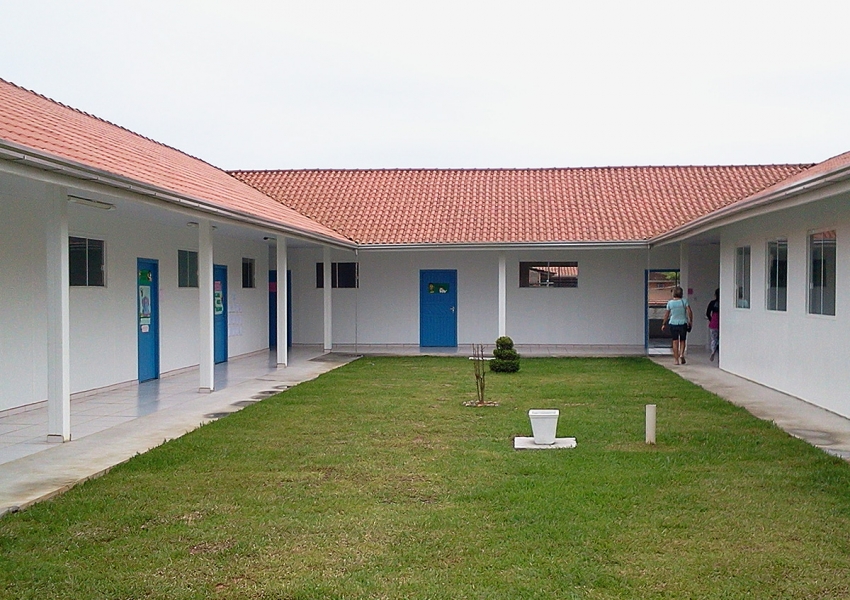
63	168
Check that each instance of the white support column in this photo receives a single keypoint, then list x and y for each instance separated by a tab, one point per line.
206	345
282	295
683	268
328	304
58	320
503	295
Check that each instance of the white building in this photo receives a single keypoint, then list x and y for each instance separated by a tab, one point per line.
123	260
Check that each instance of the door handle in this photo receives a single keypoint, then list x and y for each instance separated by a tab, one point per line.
452	309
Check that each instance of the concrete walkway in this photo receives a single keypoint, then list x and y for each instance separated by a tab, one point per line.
111	427
821	428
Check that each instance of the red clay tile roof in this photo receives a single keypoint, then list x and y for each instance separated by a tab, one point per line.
469	206
822	169
35	122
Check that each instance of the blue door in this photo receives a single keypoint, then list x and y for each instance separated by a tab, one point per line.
147	320
273	308
438	308
220	312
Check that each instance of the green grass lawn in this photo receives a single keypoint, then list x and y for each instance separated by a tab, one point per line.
374	481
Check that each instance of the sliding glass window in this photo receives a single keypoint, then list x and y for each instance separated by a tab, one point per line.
742	277
777	275
822	270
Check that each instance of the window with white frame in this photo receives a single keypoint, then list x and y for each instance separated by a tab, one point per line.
548	274
187	269
777	275
822	269
742	277
86	260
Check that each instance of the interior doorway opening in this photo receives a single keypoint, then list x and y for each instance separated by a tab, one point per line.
659	289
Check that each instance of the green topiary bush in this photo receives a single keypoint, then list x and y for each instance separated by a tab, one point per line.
506	358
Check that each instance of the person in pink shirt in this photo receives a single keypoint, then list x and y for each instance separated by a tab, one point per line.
712	313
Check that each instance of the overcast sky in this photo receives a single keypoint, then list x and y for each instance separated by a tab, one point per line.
383	84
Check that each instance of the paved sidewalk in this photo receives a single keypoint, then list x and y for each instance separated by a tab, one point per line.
111	427
821	428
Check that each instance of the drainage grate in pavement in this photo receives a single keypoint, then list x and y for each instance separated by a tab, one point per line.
281	387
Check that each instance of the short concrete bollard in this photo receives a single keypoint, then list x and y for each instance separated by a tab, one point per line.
650	423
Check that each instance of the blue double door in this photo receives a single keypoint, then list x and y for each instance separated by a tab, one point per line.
438	308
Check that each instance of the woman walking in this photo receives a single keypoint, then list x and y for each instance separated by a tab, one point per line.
681	318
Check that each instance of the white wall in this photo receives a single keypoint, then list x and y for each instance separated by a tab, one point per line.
606	308
792	351
23	292
247	308
103	339
703	279
103	320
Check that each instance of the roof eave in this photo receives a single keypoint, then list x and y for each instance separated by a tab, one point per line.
490	246
34	159
759	203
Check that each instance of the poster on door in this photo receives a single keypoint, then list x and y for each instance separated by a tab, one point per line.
145	281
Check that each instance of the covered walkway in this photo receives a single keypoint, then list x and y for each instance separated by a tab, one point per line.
111	426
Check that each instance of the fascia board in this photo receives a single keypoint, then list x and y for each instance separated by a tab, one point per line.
630	245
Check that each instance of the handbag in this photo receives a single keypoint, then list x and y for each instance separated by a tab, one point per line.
688	325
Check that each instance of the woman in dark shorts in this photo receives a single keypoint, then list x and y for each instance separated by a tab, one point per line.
680	318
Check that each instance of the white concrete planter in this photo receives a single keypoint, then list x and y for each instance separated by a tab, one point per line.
544	423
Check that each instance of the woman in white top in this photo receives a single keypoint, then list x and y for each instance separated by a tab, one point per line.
680	317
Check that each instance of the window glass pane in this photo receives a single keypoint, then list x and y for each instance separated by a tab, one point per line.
182	269
247	272
822	268
343	275
777	275
742	277
192	267
77	250
548	274
346	275
96	262
187	269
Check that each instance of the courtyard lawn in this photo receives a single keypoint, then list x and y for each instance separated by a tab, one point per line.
374	481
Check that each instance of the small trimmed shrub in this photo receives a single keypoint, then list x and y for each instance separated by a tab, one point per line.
506	358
